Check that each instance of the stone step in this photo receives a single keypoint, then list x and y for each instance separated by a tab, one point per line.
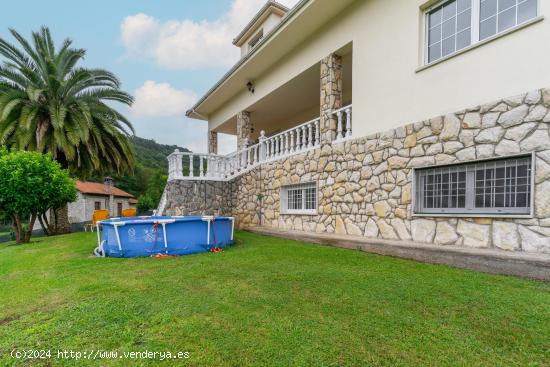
528	265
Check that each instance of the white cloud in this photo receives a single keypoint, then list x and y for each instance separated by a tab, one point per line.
189	44
154	99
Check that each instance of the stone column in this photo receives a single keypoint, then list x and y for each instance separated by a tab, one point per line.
212	142
331	96
244	129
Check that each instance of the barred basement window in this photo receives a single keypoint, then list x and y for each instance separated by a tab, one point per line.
501	187
299	199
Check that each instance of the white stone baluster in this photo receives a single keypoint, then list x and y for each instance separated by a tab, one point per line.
339	135
310	135
171	164
348	122
191	168
201	164
304	138
317	132
292	147
287	143
179	165
210	165
262	151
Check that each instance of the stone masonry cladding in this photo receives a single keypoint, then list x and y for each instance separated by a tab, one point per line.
365	184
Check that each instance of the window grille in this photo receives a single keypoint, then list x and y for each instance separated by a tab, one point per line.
500	186
299	199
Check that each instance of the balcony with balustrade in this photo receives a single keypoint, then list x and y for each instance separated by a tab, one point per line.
296	140
287	121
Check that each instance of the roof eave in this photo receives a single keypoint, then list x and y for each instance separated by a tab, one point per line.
288	17
237	41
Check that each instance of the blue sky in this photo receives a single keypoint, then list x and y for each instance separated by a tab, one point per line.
167	53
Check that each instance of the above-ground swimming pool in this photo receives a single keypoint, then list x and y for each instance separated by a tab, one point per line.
149	236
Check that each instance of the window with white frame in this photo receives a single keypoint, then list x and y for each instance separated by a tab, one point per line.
498	187
299	199
456	24
256	39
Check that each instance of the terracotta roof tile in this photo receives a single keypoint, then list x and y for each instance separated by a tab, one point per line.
97	188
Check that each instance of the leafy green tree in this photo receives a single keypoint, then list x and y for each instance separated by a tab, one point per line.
145	203
150	199
31	184
49	104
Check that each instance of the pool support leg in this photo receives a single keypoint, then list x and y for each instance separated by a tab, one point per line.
98	235
232	227
116	225
165	237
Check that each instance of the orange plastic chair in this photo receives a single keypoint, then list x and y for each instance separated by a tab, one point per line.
99	215
130	212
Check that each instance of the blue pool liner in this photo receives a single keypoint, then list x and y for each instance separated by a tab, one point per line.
149	236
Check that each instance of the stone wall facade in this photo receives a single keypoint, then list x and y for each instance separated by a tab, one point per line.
198	197
365	184
331	96
212	142
244	129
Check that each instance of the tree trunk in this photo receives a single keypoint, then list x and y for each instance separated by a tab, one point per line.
44	224
28	233
16	228
59	220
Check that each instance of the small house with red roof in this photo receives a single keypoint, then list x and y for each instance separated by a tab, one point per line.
98	196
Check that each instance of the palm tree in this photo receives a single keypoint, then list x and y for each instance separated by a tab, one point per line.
48	104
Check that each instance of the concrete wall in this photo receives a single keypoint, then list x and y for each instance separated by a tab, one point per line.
387	38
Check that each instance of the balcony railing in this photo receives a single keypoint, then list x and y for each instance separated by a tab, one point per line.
299	139
343	128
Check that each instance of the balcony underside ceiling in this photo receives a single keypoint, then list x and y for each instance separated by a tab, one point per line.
309	18
294	103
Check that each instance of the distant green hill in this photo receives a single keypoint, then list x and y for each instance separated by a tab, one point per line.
151	154
150	171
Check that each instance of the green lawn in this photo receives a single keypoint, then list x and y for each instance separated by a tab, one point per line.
267	301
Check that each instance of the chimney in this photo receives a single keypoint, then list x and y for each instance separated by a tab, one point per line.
108	183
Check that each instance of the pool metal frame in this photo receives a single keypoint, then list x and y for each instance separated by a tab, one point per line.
163	222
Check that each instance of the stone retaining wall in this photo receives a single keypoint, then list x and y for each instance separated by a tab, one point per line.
195	197
365	185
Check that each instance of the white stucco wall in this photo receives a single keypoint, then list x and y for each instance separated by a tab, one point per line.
388	39
270	23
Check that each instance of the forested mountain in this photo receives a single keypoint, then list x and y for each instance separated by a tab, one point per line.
150	172
151	154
